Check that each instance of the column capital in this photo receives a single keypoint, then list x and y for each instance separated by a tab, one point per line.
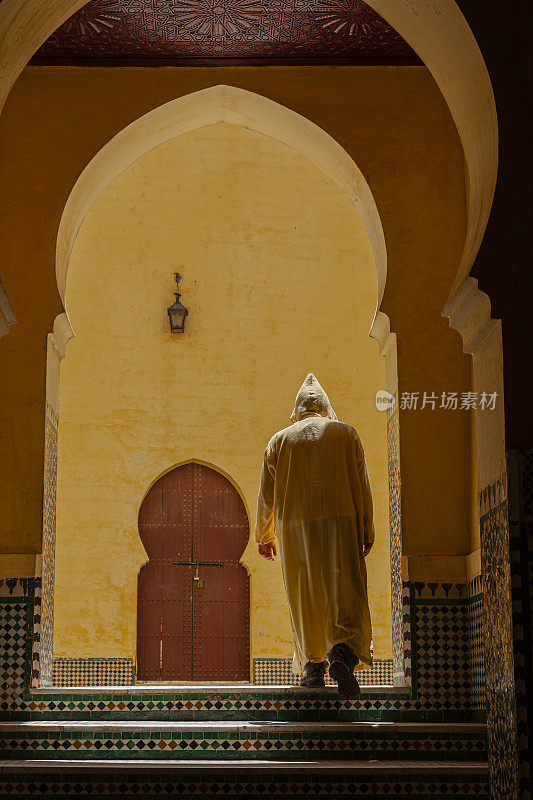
469	313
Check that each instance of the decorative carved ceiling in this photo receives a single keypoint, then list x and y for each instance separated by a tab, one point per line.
248	29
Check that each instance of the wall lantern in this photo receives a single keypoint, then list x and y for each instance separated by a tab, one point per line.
177	312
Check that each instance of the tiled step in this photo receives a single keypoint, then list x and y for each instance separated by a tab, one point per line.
235	702
188	779
249	689
272	740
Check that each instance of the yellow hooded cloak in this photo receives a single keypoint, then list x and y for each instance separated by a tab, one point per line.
315	497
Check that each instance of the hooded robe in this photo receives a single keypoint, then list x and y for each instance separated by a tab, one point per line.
315	498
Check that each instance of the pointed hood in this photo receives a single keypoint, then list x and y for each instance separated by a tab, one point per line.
312	399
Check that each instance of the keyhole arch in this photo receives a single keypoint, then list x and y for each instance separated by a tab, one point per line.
192	519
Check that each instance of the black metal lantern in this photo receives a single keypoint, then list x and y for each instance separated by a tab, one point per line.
177	312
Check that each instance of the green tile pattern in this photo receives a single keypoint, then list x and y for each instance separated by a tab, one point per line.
316	744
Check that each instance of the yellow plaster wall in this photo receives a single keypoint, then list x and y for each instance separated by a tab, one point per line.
280	280
392	121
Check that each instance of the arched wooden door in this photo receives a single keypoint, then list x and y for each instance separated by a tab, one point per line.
193	621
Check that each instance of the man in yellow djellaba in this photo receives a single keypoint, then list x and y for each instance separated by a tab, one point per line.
315	499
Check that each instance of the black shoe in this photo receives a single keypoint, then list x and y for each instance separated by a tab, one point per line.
313	676
342	661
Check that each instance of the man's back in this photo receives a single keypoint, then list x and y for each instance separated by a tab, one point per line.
316	471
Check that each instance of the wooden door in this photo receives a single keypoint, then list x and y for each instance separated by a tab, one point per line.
193	621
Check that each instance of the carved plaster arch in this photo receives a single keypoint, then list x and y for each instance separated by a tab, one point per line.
436	31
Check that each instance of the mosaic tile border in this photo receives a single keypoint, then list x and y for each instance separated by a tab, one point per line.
36	650
220	745
278	671
370	706
93	672
520	475
11	588
498	641
265	672
439	628
476	652
395	525
440	607
45	643
459	786
17	600
407	634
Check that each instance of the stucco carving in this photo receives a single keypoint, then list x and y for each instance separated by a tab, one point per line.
230	29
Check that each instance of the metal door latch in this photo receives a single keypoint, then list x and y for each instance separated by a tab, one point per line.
198	582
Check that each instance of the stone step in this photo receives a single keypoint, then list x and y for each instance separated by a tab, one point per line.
222	740
206	778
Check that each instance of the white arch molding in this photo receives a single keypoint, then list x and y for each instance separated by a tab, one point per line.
437	31
218	104
215	105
